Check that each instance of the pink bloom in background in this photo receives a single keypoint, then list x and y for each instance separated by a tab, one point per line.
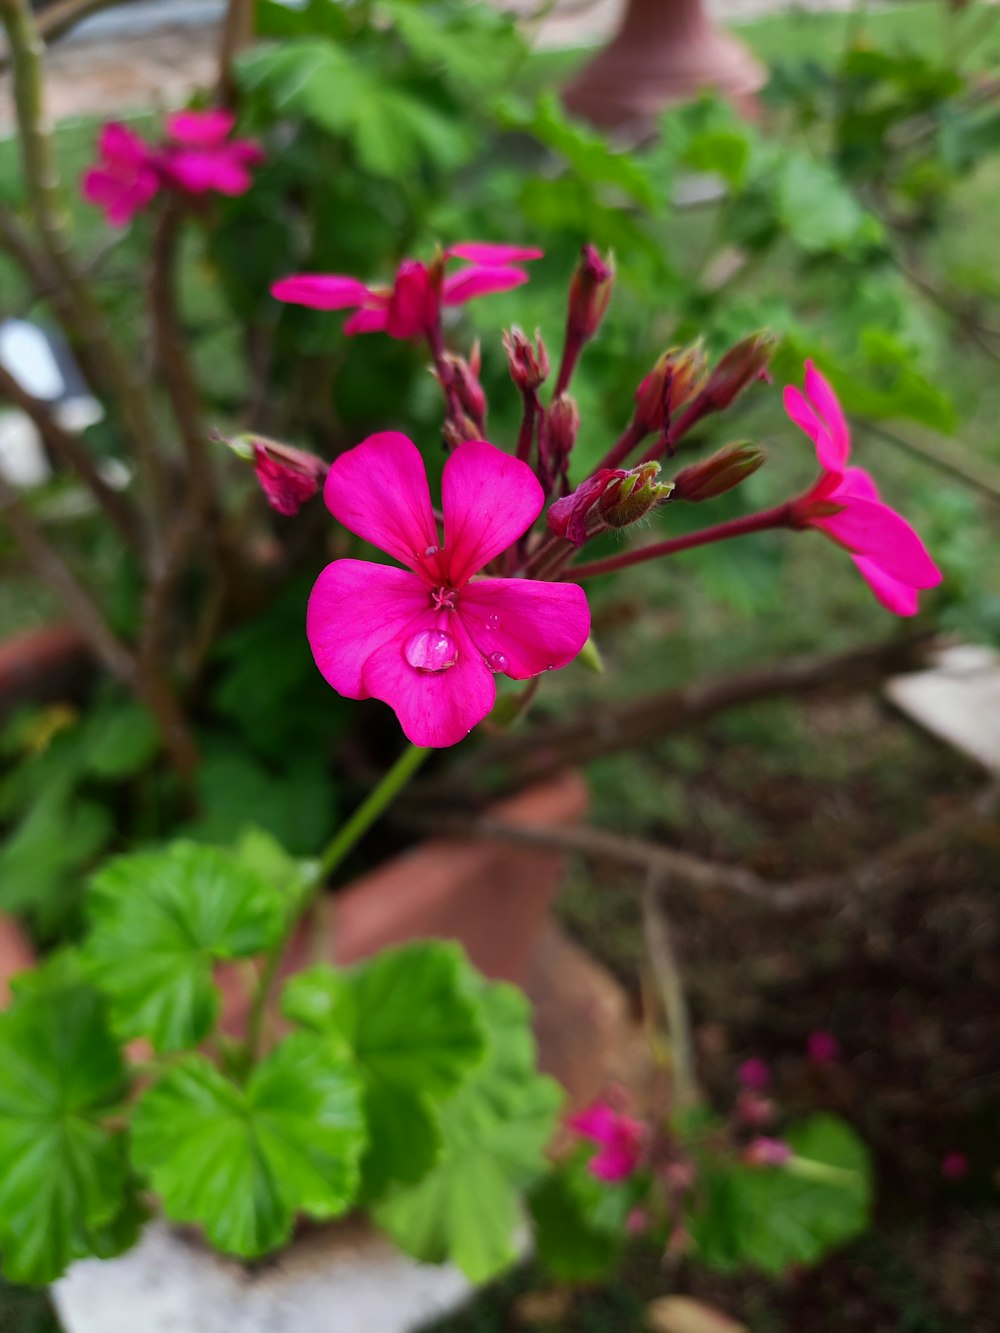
822	1048
428	639
845	504
754	1074
954	1165
200	157
767	1152
620	1138
288	477
411	307
125	178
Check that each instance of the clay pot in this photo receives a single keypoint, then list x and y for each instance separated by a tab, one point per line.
16	954
665	51
42	665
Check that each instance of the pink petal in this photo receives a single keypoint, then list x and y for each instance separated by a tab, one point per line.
870	528
437	708
824	400
321	291
615	1161
367	321
523	627
806	419
897	597
379	491
480	281
121	145
192	170
355	608
413	308
200	129
489	252
596	1122
856	482
489	499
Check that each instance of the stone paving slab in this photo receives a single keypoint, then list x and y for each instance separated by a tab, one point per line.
957	700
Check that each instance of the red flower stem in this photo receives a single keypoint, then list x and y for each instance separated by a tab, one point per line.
571	354
526	435
435	341
781	516
668	440
632	435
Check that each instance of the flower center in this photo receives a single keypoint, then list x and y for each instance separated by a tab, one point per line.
431	650
443	598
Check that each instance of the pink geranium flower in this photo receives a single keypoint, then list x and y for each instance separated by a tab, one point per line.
411	307
754	1074
620	1137
125	178
822	1048
200	157
845	504
428	639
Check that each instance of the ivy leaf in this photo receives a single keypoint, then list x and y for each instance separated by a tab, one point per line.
243	1161
495	1131
771	1218
414	1033
64	1177
159	922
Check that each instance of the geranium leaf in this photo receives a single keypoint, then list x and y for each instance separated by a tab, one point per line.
63	1179
495	1130
580	1221
242	1161
159	921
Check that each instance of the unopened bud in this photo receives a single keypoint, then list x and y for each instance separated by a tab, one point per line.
464	381
562	425
767	1152
753	1109
529	366
741	365
458	430
677	376
589	293
718	474
288	476
611	498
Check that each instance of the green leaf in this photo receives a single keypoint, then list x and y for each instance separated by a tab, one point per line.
468	50
243	1161
120	740
235	790
159	922
772	1217
580	1221
414	1033
815	206
495	1130
63	1175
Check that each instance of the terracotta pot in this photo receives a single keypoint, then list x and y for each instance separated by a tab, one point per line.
16	954
665	51
42	665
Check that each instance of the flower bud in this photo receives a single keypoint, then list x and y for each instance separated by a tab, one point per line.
611	498
529	366
288	476
464	380
562	425
589	293
767	1152
415	306
740	366
753	1109
718	474
677	376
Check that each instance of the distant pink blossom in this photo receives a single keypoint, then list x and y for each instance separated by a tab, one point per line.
845	504
754	1074
428	639
767	1152
288	476
620	1137
822	1048
411	307
125	178
753	1109
201	158
954	1165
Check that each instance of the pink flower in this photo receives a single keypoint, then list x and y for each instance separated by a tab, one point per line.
125	178
845	505
822	1048
428	639
288	477
620	1138
411	307
201	158
954	1165
767	1152
754	1074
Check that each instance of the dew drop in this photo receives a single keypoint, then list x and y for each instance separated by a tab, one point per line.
431	650
493	620
431	550
497	661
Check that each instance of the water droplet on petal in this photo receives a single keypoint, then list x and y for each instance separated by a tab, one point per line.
493	620
431	550
497	661
550	667
431	650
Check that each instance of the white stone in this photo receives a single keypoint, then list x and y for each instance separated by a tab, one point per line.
957	700
341	1279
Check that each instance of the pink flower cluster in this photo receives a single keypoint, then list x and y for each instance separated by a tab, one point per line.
845	505
198	157
411	306
620	1137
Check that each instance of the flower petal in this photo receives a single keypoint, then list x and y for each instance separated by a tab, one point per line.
379	490
480	280
489	499
871	529
523	627
831	414
355	608
806	419
200	129
372	319
435	708
491	252
897	597
321	291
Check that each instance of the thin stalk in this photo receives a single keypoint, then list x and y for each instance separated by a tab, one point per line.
670	990
632	435
344	841
778	517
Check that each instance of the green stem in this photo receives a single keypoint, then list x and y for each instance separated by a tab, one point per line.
344	841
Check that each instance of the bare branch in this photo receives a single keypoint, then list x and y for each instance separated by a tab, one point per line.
237	32
974	472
